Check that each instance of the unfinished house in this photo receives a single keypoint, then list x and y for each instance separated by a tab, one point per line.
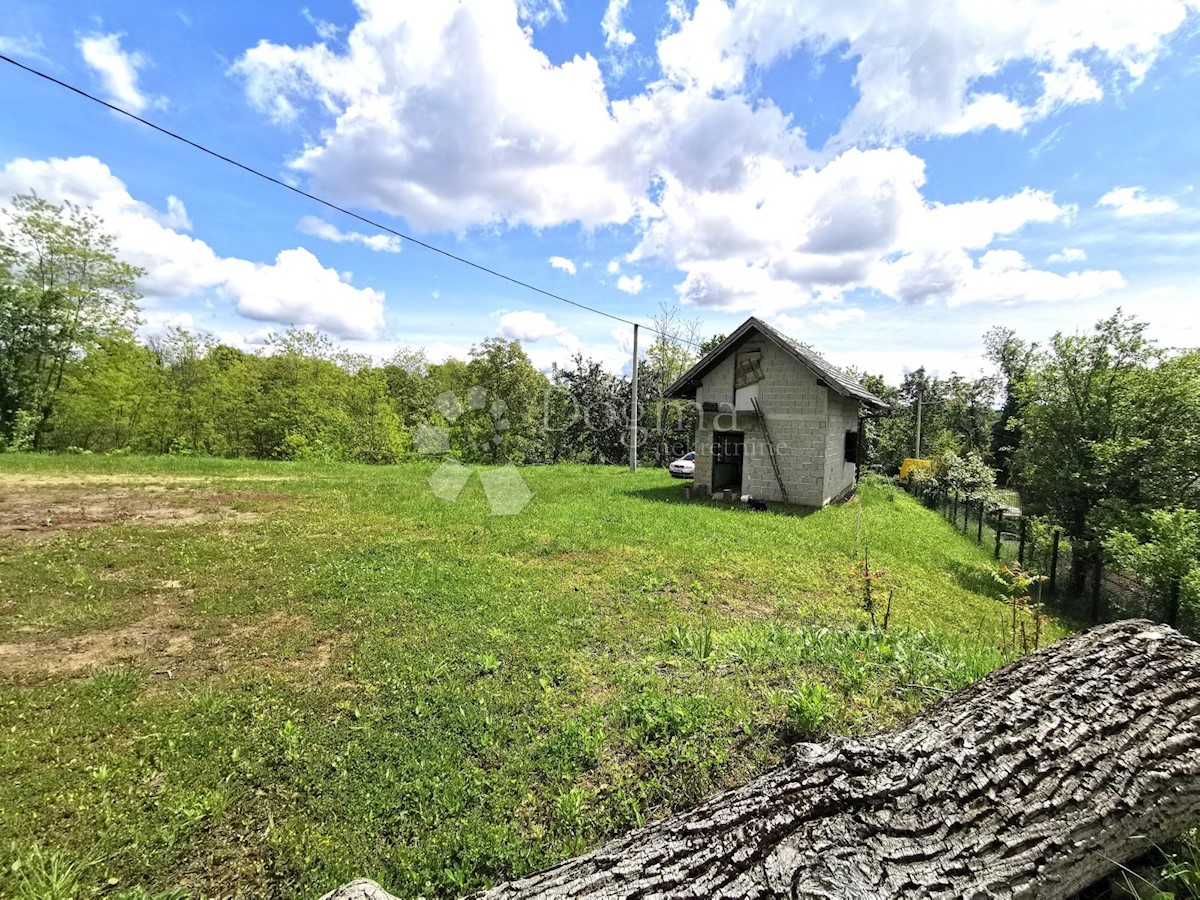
776	421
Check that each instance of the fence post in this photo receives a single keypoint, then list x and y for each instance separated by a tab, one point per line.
954	511
999	529
1054	562
1173	608
1096	590
979	534
1024	522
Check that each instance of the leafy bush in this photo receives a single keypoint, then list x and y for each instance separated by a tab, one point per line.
970	476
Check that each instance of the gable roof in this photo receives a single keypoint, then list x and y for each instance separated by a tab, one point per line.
685	387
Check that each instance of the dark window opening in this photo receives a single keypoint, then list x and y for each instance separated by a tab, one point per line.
851	454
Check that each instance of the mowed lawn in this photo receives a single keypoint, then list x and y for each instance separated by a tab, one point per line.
269	678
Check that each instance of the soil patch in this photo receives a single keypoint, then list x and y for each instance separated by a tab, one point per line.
39	513
158	637
163	644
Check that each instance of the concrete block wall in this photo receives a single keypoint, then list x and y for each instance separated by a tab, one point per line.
798	417
839	474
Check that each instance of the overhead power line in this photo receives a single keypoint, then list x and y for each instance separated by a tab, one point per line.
331	205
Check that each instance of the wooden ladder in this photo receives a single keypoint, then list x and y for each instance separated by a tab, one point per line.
770	448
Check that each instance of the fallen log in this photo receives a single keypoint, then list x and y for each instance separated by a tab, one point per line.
1036	781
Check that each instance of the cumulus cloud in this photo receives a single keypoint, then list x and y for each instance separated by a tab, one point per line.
293	289
318	227
997	276
528	326
616	35
117	70
832	318
789	238
563	264
1134	201
1068	254
448	115
630	285
926	74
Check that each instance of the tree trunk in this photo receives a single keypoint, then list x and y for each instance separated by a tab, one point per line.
1036	781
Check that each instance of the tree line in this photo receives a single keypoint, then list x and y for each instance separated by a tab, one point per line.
75	377
1098	432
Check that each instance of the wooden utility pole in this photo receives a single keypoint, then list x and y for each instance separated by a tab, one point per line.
919	387
633	408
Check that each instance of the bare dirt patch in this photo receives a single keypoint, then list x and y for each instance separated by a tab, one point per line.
35	512
82	479
158	637
163	644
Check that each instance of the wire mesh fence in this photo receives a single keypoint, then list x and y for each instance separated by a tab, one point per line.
1081	586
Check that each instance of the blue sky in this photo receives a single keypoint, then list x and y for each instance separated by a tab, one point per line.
882	182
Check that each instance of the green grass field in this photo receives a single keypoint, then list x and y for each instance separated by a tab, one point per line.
221	677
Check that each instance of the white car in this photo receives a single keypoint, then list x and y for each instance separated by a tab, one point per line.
684	467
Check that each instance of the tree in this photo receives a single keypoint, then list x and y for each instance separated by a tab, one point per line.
110	400
503	403
1165	553
1027	783
1011	357
587	413
64	291
1089	416
666	427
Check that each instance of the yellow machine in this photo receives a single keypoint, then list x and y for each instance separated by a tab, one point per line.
909	464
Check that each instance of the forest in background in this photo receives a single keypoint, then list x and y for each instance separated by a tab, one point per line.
1098	432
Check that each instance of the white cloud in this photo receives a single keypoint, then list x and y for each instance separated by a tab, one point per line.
294	289
326	31
922	73
630	285
1133	201
615	35
30	46
117	70
539	12
528	326
446	114
790	238
998	276
158	321
1068	254
318	227
449	116
297	290
562	263
833	318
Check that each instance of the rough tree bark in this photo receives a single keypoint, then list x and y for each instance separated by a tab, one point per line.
1036	781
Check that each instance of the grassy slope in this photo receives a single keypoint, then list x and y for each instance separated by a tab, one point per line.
500	692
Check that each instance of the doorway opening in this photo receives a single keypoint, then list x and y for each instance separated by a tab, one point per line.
729	450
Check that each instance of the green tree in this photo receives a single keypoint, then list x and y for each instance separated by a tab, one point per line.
109	399
64	291
587	414
1011	357
501	421
1089	417
1165	553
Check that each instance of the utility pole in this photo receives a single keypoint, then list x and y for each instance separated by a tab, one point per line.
920	387
633	409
